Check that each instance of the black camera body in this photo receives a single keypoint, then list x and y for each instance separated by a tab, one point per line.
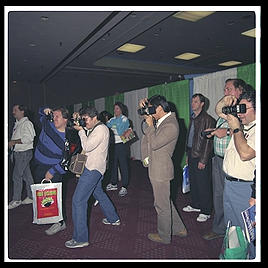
50	116
147	110
76	122
234	110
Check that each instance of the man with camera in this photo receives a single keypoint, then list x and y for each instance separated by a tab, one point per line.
239	158
95	145
50	153
221	138
157	147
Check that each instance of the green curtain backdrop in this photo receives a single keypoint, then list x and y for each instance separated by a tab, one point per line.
248	74
177	93
110	101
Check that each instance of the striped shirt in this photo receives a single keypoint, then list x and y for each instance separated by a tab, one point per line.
220	144
50	146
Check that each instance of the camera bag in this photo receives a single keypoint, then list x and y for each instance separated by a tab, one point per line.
77	163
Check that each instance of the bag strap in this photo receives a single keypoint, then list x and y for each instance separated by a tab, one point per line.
89	132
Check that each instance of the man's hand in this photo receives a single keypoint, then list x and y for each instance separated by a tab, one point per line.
201	165
225	101
48	176
233	121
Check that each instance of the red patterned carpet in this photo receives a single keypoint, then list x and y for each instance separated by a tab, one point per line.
127	241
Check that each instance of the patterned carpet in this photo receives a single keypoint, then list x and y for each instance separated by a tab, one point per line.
127	241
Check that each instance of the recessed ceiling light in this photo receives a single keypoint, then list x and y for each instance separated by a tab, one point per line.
230	63
132	48
187	56
44	18
250	33
32	45
192	15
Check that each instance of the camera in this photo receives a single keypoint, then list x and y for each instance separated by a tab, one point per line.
234	110
205	133
147	110
50	116
76	122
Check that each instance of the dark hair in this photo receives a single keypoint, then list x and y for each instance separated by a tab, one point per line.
64	111
122	107
201	97
102	116
249	95
238	83
157	100
90	111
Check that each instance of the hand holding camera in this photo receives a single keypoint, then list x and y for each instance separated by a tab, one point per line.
77	122
228	105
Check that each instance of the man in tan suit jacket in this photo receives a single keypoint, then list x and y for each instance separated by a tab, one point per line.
157	147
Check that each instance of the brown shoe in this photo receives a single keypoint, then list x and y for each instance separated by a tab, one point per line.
211	235
156	238
183	233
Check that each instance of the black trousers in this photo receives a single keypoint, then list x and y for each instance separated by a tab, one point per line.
120	156
200	185
39	174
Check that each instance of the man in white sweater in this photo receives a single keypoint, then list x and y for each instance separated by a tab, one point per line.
21	144
95	146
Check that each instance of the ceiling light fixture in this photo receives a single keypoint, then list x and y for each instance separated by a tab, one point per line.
132	48
230	63
187	56
250	33
192	15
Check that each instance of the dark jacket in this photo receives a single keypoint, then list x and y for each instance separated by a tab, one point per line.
202	147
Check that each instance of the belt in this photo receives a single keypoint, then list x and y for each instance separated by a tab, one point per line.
222	157
235	179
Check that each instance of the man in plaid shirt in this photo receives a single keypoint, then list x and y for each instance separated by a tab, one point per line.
222	137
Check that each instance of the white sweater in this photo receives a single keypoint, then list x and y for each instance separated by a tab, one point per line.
96	147
24	130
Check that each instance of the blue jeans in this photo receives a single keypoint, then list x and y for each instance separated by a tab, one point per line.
235	200
90	182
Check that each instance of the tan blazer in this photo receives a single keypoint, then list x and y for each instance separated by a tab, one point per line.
159	146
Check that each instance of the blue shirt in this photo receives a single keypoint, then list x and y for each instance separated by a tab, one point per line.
118	125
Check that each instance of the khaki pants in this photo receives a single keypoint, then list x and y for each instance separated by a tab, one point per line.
168	219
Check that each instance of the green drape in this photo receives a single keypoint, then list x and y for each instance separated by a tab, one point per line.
248	74
177	94
110	101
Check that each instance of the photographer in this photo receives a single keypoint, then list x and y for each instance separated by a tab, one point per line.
239	159
51	150
95	145
157	147
221	138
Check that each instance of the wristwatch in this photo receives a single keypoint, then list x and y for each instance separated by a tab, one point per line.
236	130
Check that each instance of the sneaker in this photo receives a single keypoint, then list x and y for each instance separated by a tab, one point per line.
74	244
212	235
111	187
105	221
202	217
191	209
14	204
27	201
123	191
55	228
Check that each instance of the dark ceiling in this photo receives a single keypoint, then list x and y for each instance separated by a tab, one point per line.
49	46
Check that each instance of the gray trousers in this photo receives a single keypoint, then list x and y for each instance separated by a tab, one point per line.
22	172
168	220
218	177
